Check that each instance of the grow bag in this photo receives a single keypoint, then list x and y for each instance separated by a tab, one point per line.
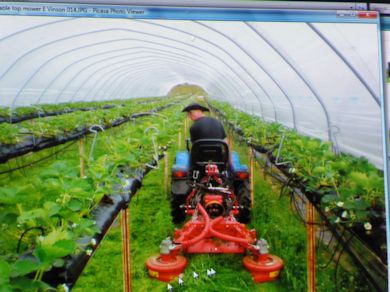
17	119
104	214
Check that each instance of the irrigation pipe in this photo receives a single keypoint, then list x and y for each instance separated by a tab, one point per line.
92	130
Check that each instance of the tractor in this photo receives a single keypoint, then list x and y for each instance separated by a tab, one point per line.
212	187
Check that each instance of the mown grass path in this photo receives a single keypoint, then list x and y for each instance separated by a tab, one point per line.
272	217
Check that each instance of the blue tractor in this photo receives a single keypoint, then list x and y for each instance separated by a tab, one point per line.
210	175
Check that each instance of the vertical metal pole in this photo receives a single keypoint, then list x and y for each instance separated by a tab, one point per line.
126	250
251	176
166	161
179	141
230	139
311	248
82	155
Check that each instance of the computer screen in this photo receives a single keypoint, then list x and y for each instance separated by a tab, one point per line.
314	74
273	44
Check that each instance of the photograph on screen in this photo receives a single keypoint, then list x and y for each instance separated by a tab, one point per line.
91	94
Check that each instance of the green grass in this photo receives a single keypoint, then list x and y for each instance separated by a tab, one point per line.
150	223
106	274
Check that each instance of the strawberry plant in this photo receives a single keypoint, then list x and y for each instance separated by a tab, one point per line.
347	183
50	127
57	201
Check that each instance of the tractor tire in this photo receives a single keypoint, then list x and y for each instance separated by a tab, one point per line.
179	193
244	200
178	214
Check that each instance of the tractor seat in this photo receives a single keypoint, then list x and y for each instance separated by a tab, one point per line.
204	151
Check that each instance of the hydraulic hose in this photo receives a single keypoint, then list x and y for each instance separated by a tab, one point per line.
204	232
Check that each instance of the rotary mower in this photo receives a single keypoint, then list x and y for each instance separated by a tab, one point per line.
212	187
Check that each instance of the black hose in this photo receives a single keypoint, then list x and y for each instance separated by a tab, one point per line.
334	252
25	232
284	187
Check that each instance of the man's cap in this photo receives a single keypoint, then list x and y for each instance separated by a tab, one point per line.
195	106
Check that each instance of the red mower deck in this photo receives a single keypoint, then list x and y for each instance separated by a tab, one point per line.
219	235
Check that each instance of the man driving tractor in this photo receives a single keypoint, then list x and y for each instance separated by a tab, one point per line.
204	127
211	185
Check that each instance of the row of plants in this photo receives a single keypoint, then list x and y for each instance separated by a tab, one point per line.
350	189
62	125
64	129
52	204
18	114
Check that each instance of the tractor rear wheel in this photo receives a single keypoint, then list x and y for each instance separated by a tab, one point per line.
178	213
244	201
179	193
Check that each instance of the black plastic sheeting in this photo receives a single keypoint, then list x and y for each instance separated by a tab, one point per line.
32	144
372	264
104	215
17	119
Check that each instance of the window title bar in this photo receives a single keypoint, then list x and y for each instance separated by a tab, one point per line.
182	13
222	4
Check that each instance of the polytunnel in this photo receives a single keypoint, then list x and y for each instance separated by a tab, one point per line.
277	83
277	78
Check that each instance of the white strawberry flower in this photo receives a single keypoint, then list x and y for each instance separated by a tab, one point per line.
367	226
340	204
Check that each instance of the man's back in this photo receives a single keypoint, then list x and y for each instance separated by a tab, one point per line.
207	128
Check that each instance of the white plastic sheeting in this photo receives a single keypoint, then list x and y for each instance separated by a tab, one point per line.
322	79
